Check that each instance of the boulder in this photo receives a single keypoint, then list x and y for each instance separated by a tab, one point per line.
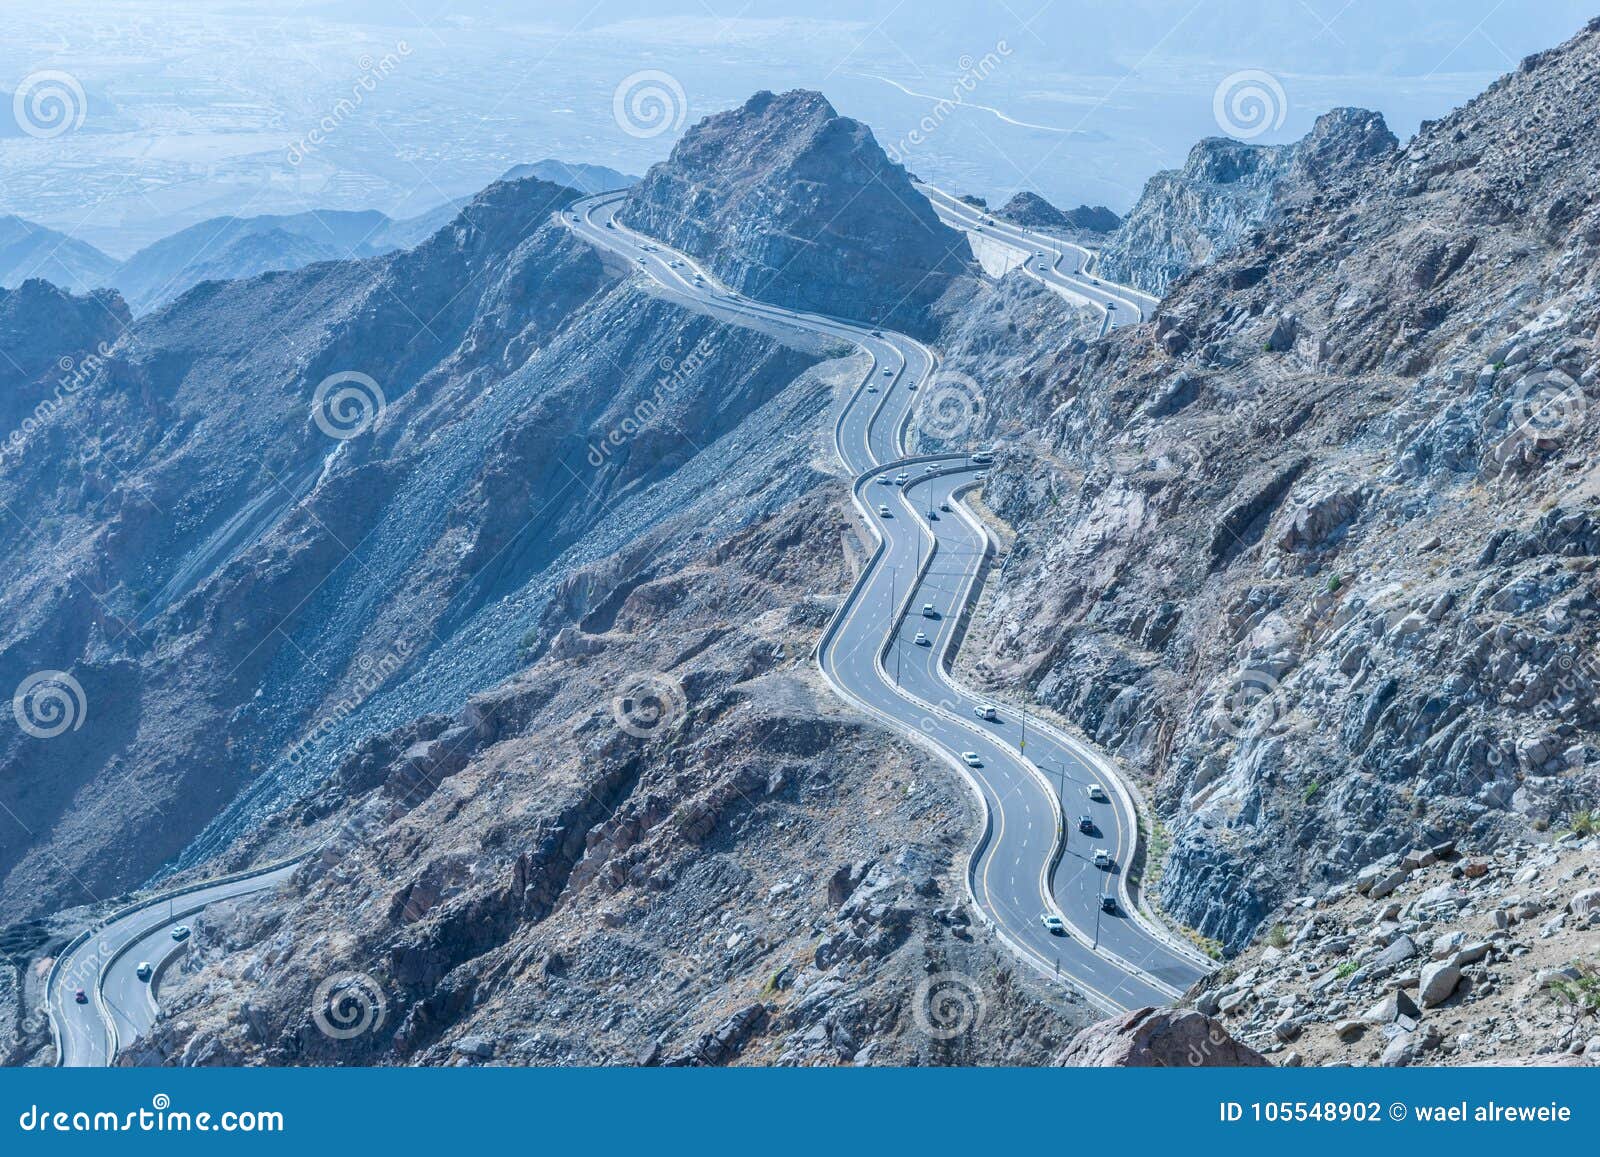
1159	1038
1397	1006
1584	903
1438	982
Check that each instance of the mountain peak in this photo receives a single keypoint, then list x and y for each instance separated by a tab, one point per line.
789	201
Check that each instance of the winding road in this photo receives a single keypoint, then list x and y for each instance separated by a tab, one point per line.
1032	781
932	552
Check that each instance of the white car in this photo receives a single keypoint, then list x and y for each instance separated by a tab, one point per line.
984	711
181	932
883	510
902	478
1102	858
971	758
144	971
922	640
1053	924
888	371
928	612
871	389
1098	793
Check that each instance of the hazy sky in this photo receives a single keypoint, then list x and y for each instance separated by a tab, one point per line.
179	109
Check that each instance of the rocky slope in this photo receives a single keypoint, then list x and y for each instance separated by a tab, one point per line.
242	592
813	214
665	842
1312	553
52	341
1189	216
1429	958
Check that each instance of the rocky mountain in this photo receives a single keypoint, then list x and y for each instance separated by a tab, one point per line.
1189	216
1035	212
1313	553
572	174
198	518
32	251
229	248
813	216
407	649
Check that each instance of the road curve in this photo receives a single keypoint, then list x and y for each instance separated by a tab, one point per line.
103	963
1061	265
932	550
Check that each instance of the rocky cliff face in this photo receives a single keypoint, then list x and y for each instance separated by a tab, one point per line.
790	202
1189	216
1313	553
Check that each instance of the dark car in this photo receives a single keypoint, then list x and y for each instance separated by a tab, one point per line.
1108	903
1086	825
80	996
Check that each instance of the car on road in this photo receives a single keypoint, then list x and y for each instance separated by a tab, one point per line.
181	932
1098	793
981	476
902	478
1094	281
883	510
1108	903
922	639
1053	924
1111	305
971	758
611	224
928	612
877	333
984	711
871	388
80	996
888	371
982	457
885	480
1086	824
944	506
144	971
933	516
1102	858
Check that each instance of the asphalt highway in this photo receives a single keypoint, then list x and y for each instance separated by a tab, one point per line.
1030	864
